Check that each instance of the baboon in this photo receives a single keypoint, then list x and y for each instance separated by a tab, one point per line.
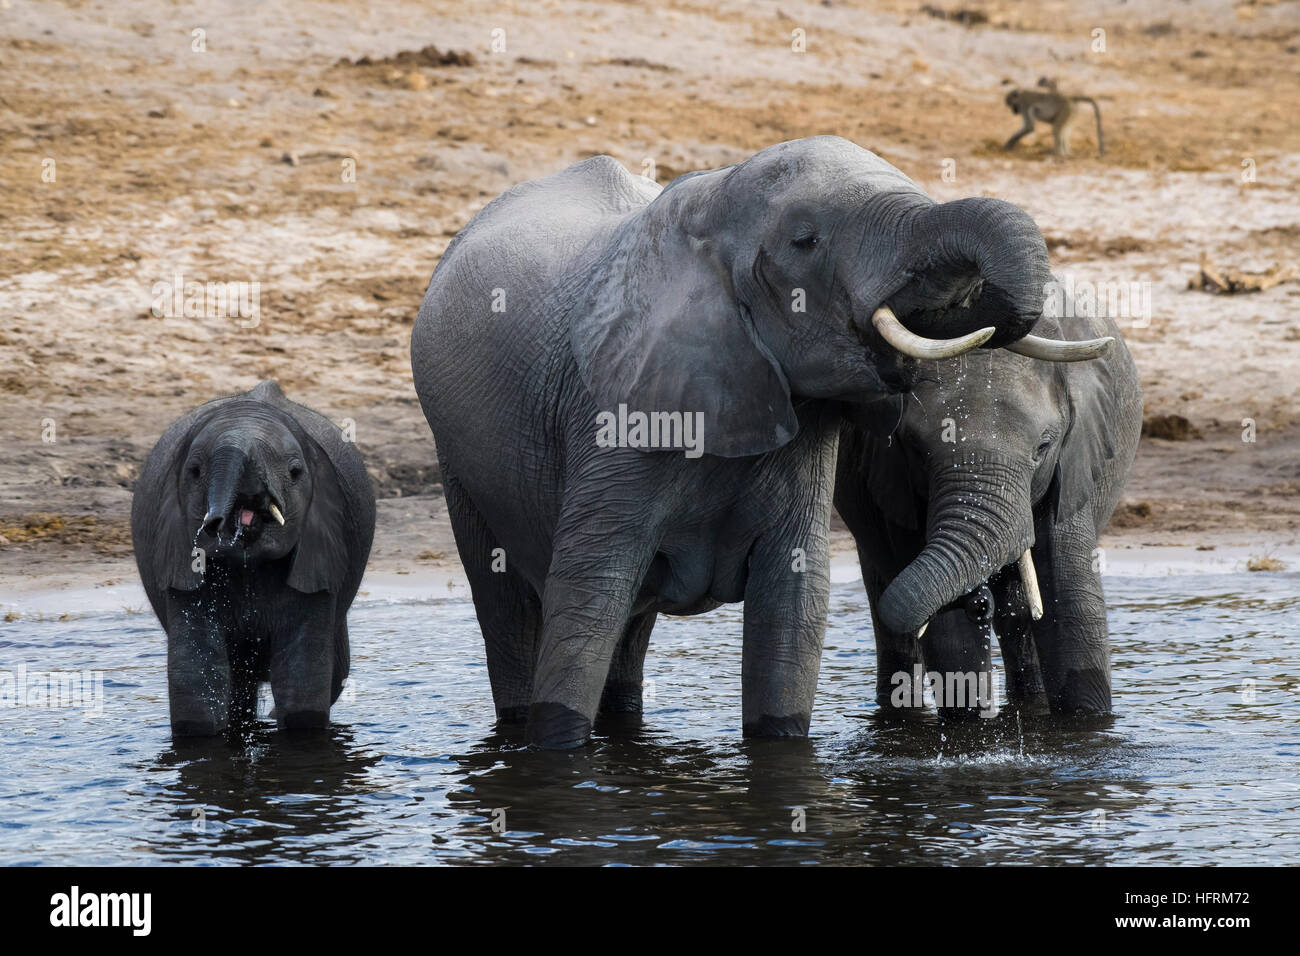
1049	106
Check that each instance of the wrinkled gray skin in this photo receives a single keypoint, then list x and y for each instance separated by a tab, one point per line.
272	601
1041	455
609	290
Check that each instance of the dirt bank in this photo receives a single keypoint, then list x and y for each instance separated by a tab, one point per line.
328	151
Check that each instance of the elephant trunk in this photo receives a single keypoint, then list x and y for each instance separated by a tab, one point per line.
979	520
971	264
231	477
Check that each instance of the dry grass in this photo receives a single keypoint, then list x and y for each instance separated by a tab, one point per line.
104	535
1265	562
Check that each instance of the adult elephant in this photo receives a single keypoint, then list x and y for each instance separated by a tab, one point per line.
634	395
978	500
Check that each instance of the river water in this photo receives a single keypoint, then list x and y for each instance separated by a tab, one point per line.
1201	764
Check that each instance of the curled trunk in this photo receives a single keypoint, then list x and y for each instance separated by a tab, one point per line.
972	264
979	521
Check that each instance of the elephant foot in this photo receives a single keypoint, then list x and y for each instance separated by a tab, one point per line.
795	725
620	698
198	728
556	727
1032	707
1082	718
305	720
512	714
961	715
1082	693
620	709
618	723
199	716
889	709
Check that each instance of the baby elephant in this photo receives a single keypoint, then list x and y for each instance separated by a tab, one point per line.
252	523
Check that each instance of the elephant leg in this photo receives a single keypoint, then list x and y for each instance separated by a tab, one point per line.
959	652
623	686
599	563
508	609
198	669
302	665
900	668
786	597
1024	679
1071	639
342	656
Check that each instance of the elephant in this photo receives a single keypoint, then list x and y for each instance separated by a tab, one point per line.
635	394
977	500
252	521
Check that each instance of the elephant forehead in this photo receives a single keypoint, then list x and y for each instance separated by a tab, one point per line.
248	425
989	389
813	165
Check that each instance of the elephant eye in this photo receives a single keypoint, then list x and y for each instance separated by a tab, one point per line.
295	472
1043	444
195	471
806	242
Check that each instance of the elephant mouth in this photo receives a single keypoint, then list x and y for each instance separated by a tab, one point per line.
1010	593
937	311
245	522
886	334
937	307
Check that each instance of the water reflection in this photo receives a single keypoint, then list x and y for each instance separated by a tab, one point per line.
984	793
239	799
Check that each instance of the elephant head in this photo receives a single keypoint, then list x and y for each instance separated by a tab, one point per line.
246	483
812	270
995	448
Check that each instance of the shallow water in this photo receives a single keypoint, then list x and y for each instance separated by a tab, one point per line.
1196	767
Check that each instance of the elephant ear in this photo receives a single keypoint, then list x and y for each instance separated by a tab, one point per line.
320	560
655	325
1097	408
162	536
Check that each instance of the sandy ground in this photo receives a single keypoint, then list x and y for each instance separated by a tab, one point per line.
233	162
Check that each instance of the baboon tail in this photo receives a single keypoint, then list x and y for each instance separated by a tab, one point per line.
1101	143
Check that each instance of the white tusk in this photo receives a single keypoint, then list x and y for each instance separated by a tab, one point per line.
1029	578
918	346
921	633
275	513
1054	350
